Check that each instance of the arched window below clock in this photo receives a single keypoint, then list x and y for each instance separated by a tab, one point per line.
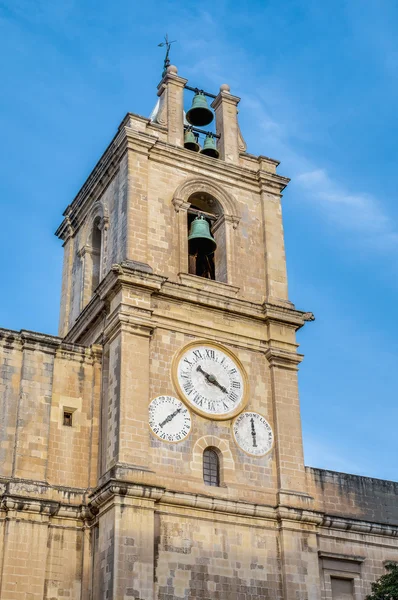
211	266
211	467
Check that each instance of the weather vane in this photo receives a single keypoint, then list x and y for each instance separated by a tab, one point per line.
166	43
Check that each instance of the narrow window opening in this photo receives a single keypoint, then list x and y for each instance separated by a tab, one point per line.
96	241
68	418
211	467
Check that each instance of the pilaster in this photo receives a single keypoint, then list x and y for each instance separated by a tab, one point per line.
171	110
225	107
287	423
274	246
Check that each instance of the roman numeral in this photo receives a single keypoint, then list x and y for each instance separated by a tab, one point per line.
232	371
210	354
187	361
188	387
236	384
197	354
233	397
198	400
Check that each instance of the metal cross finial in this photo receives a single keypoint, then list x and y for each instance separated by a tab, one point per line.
166	43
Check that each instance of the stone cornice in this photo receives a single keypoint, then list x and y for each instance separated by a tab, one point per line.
37	498
40	342
278	357
207	294
220	170
271	182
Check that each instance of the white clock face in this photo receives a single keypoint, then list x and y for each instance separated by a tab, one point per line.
211	379
253	433
169	419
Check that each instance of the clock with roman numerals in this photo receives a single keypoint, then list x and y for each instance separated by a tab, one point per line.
210	379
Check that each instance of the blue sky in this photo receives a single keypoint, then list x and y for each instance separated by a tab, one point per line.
319	89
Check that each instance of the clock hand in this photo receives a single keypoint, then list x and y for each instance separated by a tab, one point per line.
222	388
170	417
211	379
253	433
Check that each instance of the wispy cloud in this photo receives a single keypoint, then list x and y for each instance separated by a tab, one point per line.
357	212
361	213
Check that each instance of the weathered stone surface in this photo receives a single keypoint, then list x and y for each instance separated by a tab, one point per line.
102	509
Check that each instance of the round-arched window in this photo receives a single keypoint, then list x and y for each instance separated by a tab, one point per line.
211	467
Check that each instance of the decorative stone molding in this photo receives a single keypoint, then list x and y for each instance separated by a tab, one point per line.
277	357
193	185
229	219
180	205
241	142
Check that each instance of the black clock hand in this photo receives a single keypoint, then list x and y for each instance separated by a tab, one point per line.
211	379
170	417
222	388
253	433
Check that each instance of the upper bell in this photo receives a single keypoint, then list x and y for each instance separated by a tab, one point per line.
209	147
200	240
199	114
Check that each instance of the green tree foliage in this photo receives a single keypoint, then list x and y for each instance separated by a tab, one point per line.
386	588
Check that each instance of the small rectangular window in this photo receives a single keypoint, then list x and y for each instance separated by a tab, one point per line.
68	418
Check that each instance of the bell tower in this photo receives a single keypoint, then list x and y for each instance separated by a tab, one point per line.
175	265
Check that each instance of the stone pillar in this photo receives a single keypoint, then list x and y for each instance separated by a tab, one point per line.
33	418
181	208
299	556
69	246
137	200
275	259
25	552
125	443
124	545
287	425
225	107
171	108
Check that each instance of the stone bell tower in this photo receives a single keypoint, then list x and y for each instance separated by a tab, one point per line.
153	450
162	527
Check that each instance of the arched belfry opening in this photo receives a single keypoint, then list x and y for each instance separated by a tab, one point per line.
213	265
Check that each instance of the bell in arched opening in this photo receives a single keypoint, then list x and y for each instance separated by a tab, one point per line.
200	240
199	114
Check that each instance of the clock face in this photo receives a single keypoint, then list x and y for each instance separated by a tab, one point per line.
210	379
169	419
253	433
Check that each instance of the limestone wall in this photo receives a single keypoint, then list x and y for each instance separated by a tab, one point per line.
41	379
353	496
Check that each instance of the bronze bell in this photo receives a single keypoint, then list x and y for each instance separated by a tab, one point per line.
191	140
209	147
200	240
199	114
